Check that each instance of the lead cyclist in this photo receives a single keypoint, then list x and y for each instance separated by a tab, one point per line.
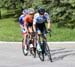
39	24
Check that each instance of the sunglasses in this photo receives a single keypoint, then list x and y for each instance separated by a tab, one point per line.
31	13
41	13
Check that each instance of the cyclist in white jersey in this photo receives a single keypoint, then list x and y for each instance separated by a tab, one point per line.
39	23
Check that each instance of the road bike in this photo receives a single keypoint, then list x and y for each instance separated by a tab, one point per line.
45	50
29	49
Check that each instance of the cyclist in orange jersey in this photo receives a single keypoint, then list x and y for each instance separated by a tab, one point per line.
28	24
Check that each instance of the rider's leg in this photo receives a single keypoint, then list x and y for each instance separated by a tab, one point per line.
24	39
24	36
38	40
44	37
25	43
44	32
38	36
30	31
44	40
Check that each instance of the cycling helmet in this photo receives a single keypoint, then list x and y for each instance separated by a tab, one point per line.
31	11
41	11
25	11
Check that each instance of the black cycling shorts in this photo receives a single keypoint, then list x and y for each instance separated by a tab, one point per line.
41	27
29	24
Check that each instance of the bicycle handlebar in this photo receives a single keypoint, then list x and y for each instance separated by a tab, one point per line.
41	33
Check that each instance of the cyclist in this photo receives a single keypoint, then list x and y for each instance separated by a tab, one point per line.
28	24
21	19
21	22
39	24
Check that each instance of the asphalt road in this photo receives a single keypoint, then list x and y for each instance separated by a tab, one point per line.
63	55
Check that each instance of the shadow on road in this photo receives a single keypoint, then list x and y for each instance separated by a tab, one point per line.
60	54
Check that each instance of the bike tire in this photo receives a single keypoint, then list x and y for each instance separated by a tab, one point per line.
33	52
23	48
47	50
41	53
34	48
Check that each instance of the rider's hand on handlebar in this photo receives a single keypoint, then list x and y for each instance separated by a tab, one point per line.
35	33
49	30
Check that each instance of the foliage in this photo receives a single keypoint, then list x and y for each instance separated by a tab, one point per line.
61	11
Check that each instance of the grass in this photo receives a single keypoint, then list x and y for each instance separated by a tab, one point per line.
10	31
61	34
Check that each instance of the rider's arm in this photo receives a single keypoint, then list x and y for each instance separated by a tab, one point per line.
21	21
49	21
49	24
34	23
25	24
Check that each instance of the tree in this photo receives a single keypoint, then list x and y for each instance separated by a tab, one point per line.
62	11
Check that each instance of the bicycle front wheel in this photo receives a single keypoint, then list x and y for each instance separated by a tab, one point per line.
23	49
47	51
41	53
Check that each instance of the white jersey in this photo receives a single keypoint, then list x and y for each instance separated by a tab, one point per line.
39	19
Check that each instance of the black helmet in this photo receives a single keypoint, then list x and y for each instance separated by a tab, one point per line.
41	11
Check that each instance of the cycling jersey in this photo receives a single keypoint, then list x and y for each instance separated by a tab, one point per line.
40	22
38	19
28	20
21	20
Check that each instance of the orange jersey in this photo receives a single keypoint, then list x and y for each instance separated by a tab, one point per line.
28	19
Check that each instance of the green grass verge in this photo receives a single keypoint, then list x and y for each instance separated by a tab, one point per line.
10	31
61	34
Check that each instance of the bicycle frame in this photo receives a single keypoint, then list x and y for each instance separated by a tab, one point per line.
44	47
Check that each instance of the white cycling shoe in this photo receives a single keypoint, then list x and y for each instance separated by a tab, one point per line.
25	51
31	46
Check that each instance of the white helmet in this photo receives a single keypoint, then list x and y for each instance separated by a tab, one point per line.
25	11
31	11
